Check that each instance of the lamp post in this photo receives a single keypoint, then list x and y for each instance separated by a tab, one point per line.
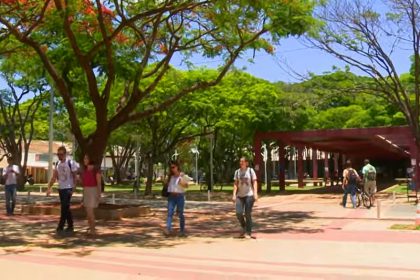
50	135
265	157
211	161
175	155
195	151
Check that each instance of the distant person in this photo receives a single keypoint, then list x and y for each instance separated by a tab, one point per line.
177	183
369	180
245	193
350	181
91	179
10	174
65	172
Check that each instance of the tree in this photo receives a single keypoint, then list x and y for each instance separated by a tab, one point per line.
366	37
85	46
17	120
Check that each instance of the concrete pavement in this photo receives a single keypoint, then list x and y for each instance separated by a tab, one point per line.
298	237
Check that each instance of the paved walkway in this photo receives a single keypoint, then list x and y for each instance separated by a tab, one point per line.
298	237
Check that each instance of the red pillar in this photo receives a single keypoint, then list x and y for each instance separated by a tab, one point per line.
335	175
282	166
300	166
326	168
258	162
314	164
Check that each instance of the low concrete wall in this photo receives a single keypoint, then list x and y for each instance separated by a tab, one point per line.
103	212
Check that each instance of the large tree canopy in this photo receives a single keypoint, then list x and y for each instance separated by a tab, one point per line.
85	46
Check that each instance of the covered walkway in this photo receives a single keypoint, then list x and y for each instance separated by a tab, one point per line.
390	143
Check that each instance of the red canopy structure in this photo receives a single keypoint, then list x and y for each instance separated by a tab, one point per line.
354	143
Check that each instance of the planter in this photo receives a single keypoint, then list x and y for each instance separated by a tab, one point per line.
103	212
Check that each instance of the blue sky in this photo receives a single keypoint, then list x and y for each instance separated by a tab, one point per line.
293	56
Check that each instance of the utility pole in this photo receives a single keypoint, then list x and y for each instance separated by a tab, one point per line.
51	135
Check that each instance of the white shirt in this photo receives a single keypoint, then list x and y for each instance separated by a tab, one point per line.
65	176
11	178
245	186
174	186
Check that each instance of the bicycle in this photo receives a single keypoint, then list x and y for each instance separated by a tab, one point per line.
363	197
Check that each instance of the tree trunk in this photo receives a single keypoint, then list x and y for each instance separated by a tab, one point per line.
149	176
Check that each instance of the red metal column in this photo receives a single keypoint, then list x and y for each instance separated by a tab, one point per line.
335	174
258	164
326	168
282	166
314	163
300	166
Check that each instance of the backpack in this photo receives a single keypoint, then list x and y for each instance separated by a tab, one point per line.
352	177
371	175
68	162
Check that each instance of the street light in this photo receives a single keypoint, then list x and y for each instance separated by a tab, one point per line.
265	157
195	151
175	155
51	135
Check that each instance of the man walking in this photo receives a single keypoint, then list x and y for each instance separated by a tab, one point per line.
245	193
10	174
65	172
369	180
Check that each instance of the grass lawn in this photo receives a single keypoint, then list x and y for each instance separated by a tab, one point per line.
218	188
405	227
398	189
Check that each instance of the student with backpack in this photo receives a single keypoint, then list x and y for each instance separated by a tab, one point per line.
350	181
245	193
369	180
65	172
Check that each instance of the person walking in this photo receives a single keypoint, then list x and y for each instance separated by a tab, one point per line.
369	180
350	181
91	182
245	193
10	175
65	172
177	183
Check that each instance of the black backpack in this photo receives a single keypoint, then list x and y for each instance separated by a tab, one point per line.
352	177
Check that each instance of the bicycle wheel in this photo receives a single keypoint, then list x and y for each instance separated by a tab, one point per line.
367	201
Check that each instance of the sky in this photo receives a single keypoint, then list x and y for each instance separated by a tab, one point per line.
292	61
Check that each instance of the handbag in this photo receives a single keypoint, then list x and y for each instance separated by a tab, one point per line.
165	192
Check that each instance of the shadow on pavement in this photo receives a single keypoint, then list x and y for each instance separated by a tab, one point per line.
143	231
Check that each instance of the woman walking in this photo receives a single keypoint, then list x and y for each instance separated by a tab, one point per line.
177	183
91	181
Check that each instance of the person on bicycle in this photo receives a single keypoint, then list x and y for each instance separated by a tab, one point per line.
369	180
350	181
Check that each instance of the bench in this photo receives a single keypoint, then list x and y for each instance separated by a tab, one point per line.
314	182
216	186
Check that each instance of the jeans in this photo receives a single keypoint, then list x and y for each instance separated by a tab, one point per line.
245	204
65	200
177	201
10	194
350	189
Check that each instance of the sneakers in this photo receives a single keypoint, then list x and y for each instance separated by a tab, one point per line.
182	235
69	230
250	236
167	233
